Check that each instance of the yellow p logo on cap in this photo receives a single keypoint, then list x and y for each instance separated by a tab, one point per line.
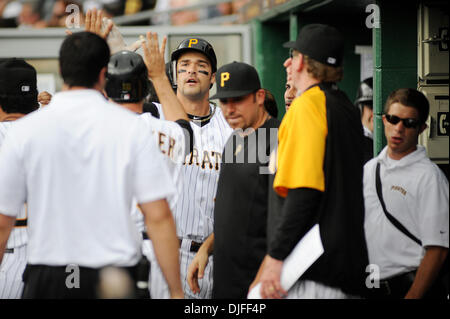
192	41
225	76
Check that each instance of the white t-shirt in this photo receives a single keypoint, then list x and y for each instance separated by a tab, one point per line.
18	236
78	163
415	192
194	213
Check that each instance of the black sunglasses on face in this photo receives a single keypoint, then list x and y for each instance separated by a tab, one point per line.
408	123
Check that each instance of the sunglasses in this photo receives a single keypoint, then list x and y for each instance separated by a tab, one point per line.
408	123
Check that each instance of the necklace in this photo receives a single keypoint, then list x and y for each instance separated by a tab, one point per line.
202	119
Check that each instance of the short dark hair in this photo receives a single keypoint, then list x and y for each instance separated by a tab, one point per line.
81	57
412	98
270	104
18	104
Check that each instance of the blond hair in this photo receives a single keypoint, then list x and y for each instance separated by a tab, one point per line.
322	72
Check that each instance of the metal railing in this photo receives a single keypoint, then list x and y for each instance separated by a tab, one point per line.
148	14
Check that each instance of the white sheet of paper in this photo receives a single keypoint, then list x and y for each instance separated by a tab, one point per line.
305	253
46	82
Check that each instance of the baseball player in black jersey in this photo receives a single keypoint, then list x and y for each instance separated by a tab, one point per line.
238	243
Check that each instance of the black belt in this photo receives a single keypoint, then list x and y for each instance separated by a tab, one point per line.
195	246
9	250
21	222
395	287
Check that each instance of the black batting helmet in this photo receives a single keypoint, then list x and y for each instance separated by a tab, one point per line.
169	73
127	78
365	93
18	86
196	44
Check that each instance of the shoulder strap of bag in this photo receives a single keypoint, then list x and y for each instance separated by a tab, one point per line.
391	218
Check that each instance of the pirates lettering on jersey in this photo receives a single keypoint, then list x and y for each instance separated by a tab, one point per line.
208	159
166	144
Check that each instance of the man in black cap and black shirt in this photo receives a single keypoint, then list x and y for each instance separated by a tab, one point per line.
239	241
319	173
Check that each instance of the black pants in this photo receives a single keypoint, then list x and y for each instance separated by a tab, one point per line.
398	287
61	282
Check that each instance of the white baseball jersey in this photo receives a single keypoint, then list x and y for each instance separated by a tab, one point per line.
195	209
170	139
14	262
18	236
194	212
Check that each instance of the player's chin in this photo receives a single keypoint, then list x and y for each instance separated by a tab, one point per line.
194	93
235	123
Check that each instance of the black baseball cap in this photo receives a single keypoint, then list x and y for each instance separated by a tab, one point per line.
320	42
235	80
18	78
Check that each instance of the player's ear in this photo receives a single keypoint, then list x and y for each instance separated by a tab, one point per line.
260	96
383	117
101	81
422	128
301	62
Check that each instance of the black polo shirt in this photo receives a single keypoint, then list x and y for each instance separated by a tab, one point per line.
240	214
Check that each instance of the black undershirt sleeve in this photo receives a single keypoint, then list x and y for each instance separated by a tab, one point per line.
299	214
151	108
188	135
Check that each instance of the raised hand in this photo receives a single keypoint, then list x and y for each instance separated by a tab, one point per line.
93	23
154	56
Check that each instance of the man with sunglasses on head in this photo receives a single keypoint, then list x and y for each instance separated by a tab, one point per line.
407	205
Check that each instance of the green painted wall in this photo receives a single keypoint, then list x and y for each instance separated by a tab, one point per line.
269	56
395	57
394	48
